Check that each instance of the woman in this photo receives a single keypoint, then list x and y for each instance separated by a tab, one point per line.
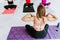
39	30
10	4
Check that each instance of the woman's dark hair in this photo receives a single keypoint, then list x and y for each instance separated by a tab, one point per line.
40	11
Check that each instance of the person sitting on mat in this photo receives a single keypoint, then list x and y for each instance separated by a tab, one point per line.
10	4
40	28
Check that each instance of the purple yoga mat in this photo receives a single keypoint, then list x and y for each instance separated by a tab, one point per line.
19	33
53	33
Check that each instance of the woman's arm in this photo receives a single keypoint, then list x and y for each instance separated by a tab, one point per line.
51	17
28	17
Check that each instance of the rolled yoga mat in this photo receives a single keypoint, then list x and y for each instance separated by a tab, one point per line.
19	33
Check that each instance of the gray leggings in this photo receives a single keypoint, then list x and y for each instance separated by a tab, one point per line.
36	34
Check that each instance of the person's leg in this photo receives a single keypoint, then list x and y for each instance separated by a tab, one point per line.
12	6
29	27
40	34
30	30
46	27
36	34
6	6
28	7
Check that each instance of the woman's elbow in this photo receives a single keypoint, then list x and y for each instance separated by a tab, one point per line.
55	18
23	19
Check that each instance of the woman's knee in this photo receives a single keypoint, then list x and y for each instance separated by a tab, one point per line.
46	27
27	25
